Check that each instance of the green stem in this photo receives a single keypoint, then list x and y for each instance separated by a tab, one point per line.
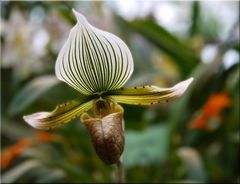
120	174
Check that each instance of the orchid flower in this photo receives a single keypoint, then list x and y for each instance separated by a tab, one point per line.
97	64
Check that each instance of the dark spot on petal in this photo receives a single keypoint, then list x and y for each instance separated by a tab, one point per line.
143	86
74	117
135	87
151	103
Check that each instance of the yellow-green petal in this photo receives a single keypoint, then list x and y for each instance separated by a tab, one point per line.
62	114
147	95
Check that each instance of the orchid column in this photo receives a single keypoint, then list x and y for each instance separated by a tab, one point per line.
97	64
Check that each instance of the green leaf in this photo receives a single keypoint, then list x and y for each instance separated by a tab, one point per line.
147	95
156	34
50	176
63	113
14	129
12	175
146	147
30	92
193	164
195	17
202	74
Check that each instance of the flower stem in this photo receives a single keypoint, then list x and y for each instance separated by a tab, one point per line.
120	174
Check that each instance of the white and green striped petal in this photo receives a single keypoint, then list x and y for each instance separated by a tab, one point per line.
92	61
147	95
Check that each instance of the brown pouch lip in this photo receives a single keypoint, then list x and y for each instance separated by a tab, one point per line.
107	133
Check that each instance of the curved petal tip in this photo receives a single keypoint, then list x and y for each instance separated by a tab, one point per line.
80	18
34	119
182	86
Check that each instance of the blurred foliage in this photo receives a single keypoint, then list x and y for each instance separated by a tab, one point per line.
184	56
160	145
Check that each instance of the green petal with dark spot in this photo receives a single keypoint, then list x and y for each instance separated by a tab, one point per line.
62	114
147	95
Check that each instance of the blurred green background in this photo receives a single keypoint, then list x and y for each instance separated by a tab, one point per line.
194	139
